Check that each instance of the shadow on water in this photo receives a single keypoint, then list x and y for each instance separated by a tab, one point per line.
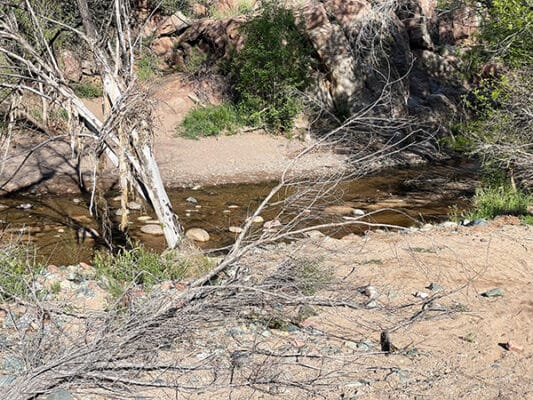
61	227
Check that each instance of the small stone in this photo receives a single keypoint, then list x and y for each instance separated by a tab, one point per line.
427	227
144	218
272	224
120	211
61	394
512	346
25	206
314	234
478	222
76	201
61	230
152	229
369	291
372	304
496	292
133	205
233	206
258	219
197	234
235	229
434	287
449	225
358	212
351	345
226	212
365	345
339	210
421	295
197	187
191	200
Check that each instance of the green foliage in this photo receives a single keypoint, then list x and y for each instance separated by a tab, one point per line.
310	275
194	61
147	67
169	7
241	7
136	265
507	33
18	268
459	143
88	89
273	65
491	201
210	121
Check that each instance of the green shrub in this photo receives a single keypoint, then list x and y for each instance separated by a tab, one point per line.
310	275
137	265
169	7
210	121
88	89
18	268
147	67
194	61
491	201
274	64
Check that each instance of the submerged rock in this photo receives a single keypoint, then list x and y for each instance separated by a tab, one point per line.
198	235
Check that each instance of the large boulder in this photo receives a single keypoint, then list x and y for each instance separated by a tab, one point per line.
71	66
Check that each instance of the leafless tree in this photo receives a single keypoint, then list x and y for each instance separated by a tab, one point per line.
30	67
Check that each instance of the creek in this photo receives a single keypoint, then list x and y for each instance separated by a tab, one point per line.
60	226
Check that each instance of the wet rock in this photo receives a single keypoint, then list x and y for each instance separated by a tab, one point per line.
152	229
339	210
133	205
235	229
198	235
191	200
495	292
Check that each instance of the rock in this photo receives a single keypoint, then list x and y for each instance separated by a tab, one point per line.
351	345
339	210
152	229
478	222
191	200
449	225
275	223
372	304
235	229
427	227
314	234
369	291
434	287
144	218
258	220
120	211
358	212
133	205
162	47
421	295
159	26
76	201
512	346
495	292
233	206
60	394
71	66
25	206
365	345
197	234
6	380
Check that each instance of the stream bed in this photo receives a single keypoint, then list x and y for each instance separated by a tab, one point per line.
60	227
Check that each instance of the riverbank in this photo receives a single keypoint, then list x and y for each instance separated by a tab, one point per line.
456	302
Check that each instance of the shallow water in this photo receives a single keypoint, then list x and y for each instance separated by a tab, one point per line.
59	226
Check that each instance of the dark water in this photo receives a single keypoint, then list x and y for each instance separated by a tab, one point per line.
417	195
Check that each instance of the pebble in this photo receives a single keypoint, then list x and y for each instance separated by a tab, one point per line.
76	201
372	304
434	287
133	205
314	234
25	206
61	394
358	212
197	234
258	219
365	345
226	212
421	295
369	291
152	229
120	211
233	206
496	292
272	224
191	200
144	218
235	229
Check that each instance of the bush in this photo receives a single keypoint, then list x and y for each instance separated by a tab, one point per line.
18	268
491	201
146	67
274	64
210	121
88	89
169	7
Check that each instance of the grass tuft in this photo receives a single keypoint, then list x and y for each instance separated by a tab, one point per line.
210	121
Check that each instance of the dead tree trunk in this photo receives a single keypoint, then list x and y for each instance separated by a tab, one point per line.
32	69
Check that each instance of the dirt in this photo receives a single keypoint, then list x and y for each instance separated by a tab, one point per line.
244	158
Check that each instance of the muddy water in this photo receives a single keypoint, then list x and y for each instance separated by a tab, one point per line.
60	226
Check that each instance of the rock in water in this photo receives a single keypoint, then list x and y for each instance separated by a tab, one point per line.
152	229
197	234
